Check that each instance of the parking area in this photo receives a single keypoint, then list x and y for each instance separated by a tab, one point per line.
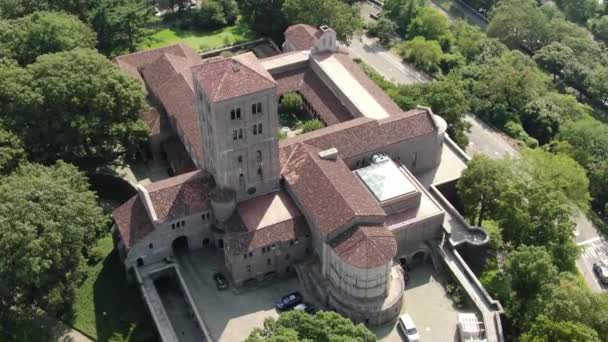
595	250
431	309
229	316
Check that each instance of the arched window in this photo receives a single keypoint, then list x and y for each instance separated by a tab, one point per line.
258	154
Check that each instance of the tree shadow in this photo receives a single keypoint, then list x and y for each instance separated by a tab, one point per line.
119	308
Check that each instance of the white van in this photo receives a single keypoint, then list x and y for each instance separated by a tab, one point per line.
407	326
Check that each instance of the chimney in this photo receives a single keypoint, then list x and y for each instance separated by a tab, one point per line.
236	67
330	154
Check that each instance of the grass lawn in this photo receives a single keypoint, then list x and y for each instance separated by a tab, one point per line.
106	305
199	40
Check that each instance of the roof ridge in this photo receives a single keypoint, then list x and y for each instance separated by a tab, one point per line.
378	247
253	70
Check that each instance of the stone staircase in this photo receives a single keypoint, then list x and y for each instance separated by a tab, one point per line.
157	311
306	279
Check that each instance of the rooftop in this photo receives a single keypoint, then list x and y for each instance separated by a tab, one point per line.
302	36
267	210
365	246
385	180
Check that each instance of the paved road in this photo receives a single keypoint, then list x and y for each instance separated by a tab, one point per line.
483	139
385	62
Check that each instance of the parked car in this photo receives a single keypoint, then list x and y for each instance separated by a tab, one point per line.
601	270
407	326
289	301
220	281
309	309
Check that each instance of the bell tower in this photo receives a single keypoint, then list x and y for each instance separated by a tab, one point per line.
237	107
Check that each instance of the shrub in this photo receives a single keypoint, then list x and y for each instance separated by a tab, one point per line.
515	130
311	125
425	54
292	103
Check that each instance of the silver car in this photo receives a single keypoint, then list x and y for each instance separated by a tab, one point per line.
601	270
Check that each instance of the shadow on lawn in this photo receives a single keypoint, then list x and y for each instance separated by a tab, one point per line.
119	308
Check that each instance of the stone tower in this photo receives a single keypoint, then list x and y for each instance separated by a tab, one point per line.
237	107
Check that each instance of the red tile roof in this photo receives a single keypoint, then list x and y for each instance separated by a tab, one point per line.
317	94
247	241
133	62
132	221
181	196
230	77
302	36
327	190
267	210
363	135
166	72
365	246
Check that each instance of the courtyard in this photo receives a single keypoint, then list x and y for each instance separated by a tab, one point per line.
426	300
229	315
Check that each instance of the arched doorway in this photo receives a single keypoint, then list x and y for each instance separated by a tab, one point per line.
180	244
419	258
140	262
206	242
220	243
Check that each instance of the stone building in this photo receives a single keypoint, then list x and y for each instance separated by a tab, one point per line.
338	206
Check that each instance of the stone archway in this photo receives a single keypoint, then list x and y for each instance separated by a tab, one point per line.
180	244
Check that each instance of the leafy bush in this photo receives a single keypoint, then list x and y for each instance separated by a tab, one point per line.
292	103
515	130
425	54
311	125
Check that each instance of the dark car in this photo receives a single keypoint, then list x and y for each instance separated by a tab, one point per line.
220	281
289	301
601	270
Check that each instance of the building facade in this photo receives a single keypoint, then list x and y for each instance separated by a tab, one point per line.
337	206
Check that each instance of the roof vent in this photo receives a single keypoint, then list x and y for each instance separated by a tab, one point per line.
331	154
236	67
379	158
324	28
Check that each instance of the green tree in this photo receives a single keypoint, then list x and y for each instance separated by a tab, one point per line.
120	25
546	330
292	103
341	17
579	10
589	138
11	152
425	54
540	120
48	219
85	109
210	16
469	39
502	87
560	171
598	186
447	99
567	300
481	185
256	13
529	269
432	25
599	27
385	29
230	9
19	8
520	24
25	39
324	326
402	12
554	58
531	212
